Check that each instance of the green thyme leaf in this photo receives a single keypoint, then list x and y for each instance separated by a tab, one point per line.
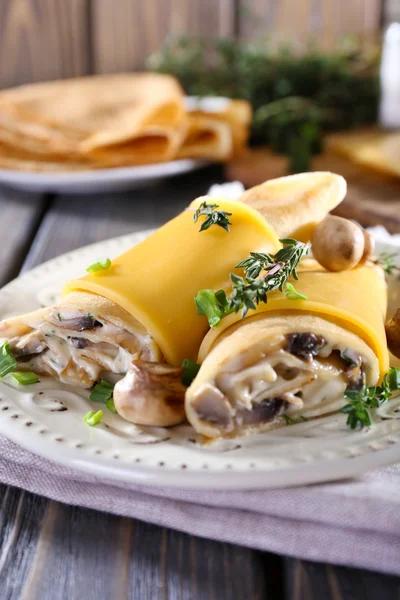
25	377
99	266
292	294
212	216
92	418
250	290
7	361
190	370
388	262
370	397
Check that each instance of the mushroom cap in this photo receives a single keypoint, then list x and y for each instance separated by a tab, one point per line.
338	244
369	247
151	394
393	334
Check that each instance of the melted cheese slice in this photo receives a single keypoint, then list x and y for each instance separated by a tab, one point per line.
157	280
356	300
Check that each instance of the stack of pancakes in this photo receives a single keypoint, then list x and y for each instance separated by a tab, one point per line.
114	121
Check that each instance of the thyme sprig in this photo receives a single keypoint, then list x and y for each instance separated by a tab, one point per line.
387	261
213	216
250	290
370	397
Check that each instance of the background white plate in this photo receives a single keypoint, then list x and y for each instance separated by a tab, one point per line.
99	180
46	419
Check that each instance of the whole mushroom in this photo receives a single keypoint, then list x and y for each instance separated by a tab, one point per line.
393	334
151	394
339	244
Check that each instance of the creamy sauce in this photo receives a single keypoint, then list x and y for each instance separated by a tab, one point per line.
106	348
310	387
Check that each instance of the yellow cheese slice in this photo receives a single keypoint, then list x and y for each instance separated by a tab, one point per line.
157	280
355	300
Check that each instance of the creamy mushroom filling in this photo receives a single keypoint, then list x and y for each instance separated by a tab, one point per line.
301	372
78	348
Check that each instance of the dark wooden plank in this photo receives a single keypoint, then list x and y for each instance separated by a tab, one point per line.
312	581
20	216
42	40
126	32
23	517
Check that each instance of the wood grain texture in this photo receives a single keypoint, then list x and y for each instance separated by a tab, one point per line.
298	22
42	40
126	32
20	216
313	581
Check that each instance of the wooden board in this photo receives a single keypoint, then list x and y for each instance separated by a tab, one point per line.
42	40
126	32
326	21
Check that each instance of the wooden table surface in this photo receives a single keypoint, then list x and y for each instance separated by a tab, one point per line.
51	551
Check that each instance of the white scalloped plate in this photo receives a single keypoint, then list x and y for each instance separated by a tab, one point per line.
46	419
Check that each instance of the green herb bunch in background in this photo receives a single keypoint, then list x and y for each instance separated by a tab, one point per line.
295	97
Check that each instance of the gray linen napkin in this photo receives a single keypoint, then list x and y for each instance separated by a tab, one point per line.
355	523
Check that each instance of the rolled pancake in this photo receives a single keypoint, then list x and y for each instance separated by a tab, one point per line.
296	203
206	138
99	114
292	357
142	306
218	128
78	340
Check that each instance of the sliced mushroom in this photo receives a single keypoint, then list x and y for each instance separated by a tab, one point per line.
263	412
79	323
79	343
29	345
211	405
305	345
151	394
393	334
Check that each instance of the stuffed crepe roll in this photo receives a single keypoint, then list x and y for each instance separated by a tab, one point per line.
292	358
141	307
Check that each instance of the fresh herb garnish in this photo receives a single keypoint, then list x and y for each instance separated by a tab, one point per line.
7	361
59	317
213	216
387	261
361	402
111	406
248	291
99	266
290	421
102	392
92	418
292	293
208	304
25	377
190	370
